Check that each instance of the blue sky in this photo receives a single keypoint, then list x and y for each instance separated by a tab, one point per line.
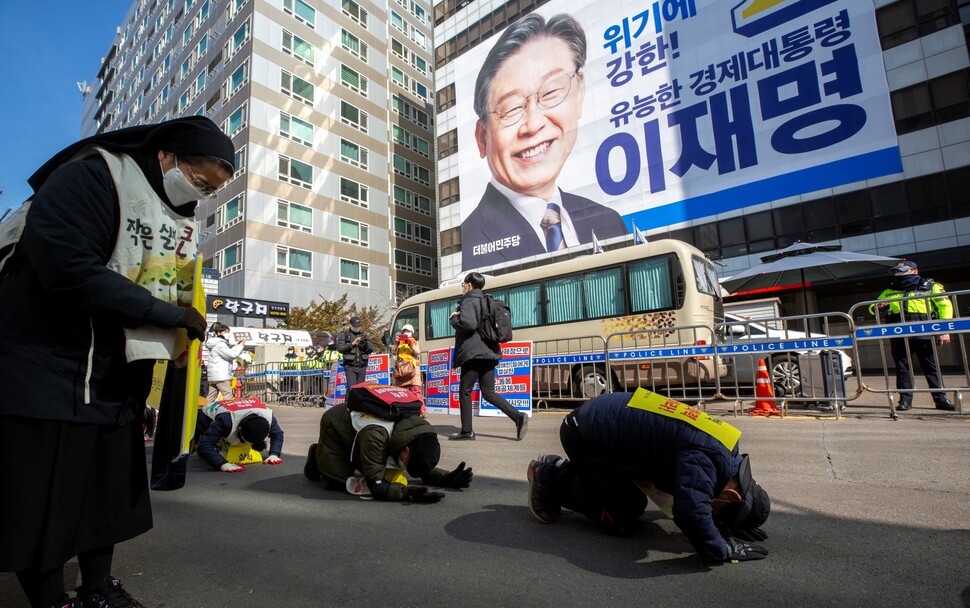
45	48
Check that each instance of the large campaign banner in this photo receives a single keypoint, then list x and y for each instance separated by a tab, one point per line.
583	119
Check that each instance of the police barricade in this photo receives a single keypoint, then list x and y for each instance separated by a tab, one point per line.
808	369
913	337
569	369
677	362
299	383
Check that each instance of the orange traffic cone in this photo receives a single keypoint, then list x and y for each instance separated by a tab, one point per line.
764	395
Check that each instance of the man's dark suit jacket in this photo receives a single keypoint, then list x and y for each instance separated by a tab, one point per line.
495	232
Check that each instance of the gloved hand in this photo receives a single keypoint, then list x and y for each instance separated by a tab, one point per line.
273	459
228	467
743	552
750	534
422	494
459	478
194	324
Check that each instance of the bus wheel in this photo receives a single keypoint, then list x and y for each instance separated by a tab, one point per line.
785	375
589	382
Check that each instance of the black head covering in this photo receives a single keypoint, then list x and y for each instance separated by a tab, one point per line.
191	135
425	453
755	505
254	429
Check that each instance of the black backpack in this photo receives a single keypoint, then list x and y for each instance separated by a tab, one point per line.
392	403
496	322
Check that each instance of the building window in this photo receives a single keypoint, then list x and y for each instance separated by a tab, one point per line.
448	144
295	172
451	241
410	140
412	231
230	259
353	116
231	213
354	154
303	12
237	79
296	262
239	161
298	47
353	232
353	192
448	192
354	273
353	44
410	112
298	130
412	170
351	79
296	87
238	39
294	216
237	120
355	12
932	102
412	262
906	20
411	200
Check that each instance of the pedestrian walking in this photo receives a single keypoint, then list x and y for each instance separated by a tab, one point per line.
478	360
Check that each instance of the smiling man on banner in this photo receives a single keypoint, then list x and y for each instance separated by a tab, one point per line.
529	97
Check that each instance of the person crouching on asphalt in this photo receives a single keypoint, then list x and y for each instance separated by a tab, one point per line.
614	448
238	423
351	442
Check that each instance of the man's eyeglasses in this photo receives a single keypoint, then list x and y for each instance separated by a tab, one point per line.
552	93
200	184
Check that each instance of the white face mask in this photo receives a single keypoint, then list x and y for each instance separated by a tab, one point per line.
178	188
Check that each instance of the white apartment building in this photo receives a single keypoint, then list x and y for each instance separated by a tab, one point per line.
328	103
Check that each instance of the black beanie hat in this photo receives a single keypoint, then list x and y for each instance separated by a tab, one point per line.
254	428
425	453
755	505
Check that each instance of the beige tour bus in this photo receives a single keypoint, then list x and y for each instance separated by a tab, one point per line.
616	320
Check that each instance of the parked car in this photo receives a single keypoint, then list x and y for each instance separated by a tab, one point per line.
782	366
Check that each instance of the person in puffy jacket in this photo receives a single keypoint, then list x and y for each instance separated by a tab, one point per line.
351	442
220	362
617	445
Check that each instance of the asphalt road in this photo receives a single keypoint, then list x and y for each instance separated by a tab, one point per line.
865	512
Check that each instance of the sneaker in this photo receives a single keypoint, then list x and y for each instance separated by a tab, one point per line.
469	436
109	594
541	504
68	602
521	427
310	470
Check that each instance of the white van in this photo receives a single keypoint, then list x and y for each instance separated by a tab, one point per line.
782	367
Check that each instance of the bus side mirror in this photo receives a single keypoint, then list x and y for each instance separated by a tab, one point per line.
386	338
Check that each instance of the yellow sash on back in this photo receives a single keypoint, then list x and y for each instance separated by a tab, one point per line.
658	404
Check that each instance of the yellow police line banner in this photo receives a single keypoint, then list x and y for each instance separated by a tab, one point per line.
658	404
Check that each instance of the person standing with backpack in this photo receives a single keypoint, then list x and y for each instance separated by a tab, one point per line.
478	359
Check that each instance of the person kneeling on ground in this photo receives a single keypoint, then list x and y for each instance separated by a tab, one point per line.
238	422
616	446
352	441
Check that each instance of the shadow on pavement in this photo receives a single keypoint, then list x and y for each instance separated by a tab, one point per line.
576	540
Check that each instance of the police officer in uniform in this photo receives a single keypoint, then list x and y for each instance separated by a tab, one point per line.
907	283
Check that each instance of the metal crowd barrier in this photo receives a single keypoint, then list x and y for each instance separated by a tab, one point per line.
299	383
678	362
573	369
809	369
877	336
